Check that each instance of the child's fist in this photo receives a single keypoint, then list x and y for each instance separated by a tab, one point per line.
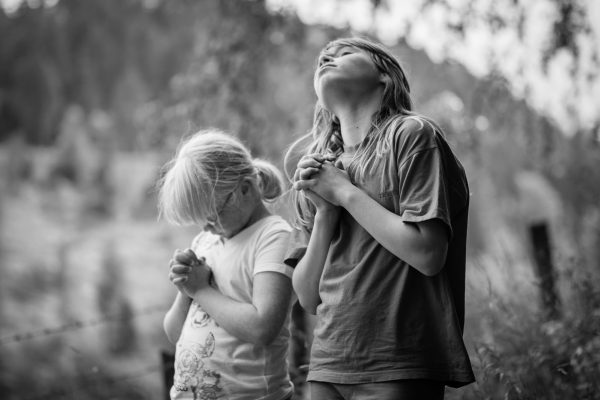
187	257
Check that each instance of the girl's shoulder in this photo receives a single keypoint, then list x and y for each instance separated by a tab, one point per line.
412	133
415	127
275	223
271	230
267	226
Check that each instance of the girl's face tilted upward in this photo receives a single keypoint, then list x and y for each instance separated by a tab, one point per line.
345	73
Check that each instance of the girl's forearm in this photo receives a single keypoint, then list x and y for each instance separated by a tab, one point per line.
258	322
242	320
175	317
307	273
422	245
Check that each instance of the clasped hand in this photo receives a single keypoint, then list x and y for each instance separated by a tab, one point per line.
188	272
317	175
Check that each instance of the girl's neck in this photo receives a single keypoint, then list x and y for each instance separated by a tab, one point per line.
355	119
259	212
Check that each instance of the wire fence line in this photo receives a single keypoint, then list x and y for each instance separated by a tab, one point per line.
72	390
78	324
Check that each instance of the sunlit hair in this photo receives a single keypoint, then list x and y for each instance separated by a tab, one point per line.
207	167
394	110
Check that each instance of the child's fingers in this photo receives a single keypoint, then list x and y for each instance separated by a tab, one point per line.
316	156
185	257
305	173
176	277
181	269
308	172
304	184
309	162
190	253
182	257
179	280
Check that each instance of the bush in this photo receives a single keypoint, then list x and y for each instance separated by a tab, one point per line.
529	358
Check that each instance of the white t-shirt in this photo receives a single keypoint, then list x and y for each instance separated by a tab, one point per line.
210	363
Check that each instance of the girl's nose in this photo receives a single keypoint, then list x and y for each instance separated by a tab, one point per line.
324	59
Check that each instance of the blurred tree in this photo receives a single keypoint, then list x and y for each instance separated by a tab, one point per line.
81	53
159	69
547	50
242	60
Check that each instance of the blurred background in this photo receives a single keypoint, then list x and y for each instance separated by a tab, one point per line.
95	95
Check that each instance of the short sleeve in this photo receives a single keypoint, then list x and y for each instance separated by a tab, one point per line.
423	186
296	247
270	253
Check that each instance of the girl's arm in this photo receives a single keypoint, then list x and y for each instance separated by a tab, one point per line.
307	273
422	245
175	317
258	322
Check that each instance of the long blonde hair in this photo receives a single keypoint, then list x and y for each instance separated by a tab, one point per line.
395	109
207	167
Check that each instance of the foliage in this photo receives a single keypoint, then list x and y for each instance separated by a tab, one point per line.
247	73
533	359
85	53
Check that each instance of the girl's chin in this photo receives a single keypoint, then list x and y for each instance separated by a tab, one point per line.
212	229
216	231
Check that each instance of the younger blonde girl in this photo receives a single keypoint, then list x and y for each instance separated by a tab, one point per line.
229	318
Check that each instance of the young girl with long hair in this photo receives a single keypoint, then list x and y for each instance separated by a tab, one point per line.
379	253
229	318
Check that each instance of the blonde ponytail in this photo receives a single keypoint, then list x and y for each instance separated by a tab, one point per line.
270	179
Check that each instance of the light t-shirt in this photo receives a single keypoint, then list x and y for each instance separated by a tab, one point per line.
210	363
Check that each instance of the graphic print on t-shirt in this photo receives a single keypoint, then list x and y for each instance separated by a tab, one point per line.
190	371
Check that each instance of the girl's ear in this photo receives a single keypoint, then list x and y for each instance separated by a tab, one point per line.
246	185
